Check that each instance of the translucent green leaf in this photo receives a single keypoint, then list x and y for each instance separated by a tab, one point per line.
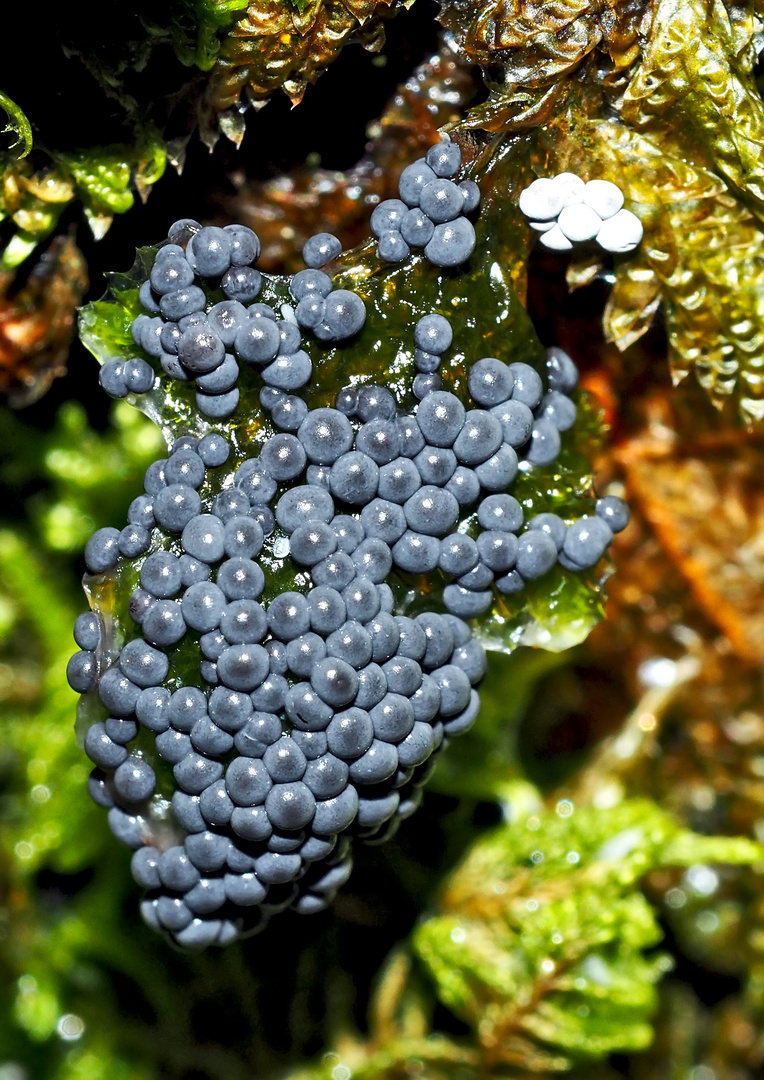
105	176
18	248
544	932
691	78
198	32
18	126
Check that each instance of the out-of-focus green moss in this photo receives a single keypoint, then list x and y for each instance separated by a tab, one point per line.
47	824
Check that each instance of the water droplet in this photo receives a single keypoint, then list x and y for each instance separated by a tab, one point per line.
70	1027
702	1072
676	898
702	879
707	922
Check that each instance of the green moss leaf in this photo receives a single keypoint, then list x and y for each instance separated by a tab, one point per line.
18	126
545	939
104	177
200	28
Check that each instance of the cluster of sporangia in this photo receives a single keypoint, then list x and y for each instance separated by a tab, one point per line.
310	716
567	211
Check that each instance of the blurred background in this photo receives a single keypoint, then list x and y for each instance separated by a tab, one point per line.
618	786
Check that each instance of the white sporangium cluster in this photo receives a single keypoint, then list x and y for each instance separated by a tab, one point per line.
567	211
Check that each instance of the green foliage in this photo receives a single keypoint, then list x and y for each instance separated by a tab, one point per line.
103	179
90	478
47	824
545	948
545	943
18	126
543	936
200	27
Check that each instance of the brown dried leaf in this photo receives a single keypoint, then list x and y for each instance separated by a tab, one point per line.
633	302
528	48
584	268
37	322
284	45
700	756
287	210
682	601
685	598
707	509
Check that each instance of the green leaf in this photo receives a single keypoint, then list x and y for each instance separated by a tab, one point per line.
17	125
104	325
546	941
691	78
105	176
19	247
198	32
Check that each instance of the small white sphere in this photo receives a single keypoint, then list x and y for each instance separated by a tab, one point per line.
620	233
579	223
604	197
542	226
556	240
541	200
570	186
